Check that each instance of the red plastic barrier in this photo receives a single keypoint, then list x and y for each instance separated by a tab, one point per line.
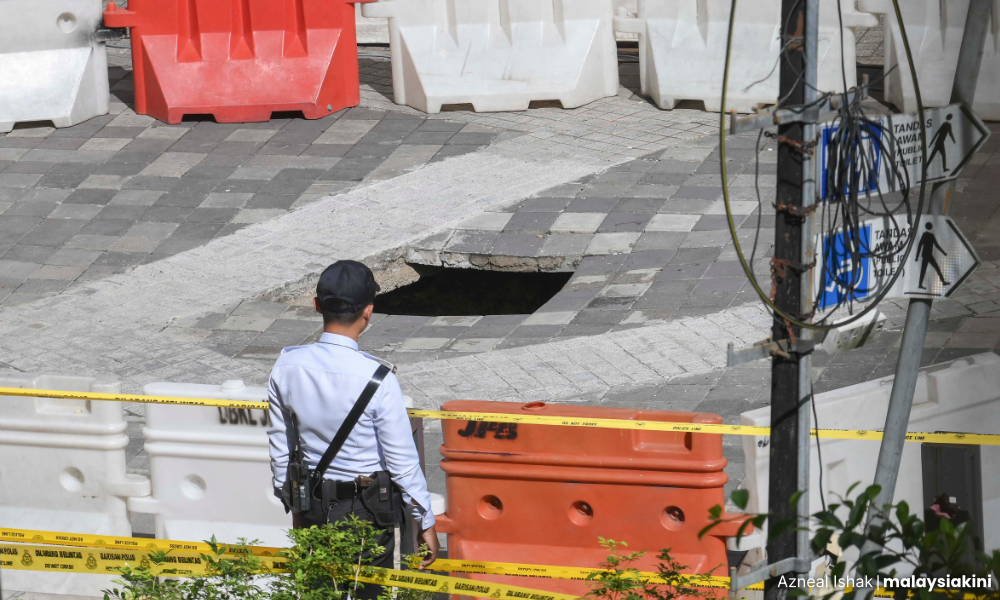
241	60
543	494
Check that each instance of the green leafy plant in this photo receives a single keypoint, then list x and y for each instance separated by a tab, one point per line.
143	583
618	579
232	572
322	560
901	540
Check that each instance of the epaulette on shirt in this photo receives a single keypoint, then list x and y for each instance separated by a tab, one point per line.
380	361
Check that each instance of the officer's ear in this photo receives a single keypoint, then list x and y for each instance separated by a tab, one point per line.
367	314
316	305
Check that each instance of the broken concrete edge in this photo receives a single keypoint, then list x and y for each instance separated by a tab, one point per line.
493	262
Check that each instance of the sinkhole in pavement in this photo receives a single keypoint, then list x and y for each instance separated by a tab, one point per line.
466	292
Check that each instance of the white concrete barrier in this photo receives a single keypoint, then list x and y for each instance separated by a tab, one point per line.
962	396
935	29
682	49
62	468
210	467
51	66
499	54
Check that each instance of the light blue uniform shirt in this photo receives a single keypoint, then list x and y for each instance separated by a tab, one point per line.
319	383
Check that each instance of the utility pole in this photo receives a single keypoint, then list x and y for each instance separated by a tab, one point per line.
793	255
919	311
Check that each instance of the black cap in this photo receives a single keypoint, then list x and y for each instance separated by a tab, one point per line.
346	286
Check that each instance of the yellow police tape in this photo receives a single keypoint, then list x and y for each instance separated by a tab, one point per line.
111	542
85	553
186	563
840	434
88	553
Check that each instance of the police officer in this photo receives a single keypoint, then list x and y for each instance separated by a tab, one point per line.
311	391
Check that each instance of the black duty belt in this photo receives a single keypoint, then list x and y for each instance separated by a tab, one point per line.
351	489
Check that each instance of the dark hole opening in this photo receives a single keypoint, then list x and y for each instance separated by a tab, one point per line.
465	292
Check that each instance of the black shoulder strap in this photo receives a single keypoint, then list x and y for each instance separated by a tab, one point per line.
350	421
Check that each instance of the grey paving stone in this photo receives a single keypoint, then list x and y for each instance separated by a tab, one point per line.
167	214
639	205
592	205
61	180
286	186
697	193
50	286
135	198
39	168
120	169
24	253
728	285
295	327
239	186
531	222
473	242
471	139
517	244
142	182
121	212
441	125
272	201
717	222
106	227
90	242
11	194
493	326
643	259
705	239
212	215
209	172
664	178
565	244
675	271
90	196
31	209
696	255
16	271
624	222
651	241
71	257
55	232
436	138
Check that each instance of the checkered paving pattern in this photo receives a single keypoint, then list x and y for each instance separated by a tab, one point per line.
88	201
647	243
631	266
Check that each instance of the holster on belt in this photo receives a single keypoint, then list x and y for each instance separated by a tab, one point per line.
379	499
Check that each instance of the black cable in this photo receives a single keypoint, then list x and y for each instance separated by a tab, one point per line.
851	116
760	203
819	453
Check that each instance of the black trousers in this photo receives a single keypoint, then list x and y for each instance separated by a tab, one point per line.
387	539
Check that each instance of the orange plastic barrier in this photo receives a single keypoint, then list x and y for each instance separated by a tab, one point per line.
240	60
543	494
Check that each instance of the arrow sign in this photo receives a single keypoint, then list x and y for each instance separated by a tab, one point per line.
954	134
941	259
